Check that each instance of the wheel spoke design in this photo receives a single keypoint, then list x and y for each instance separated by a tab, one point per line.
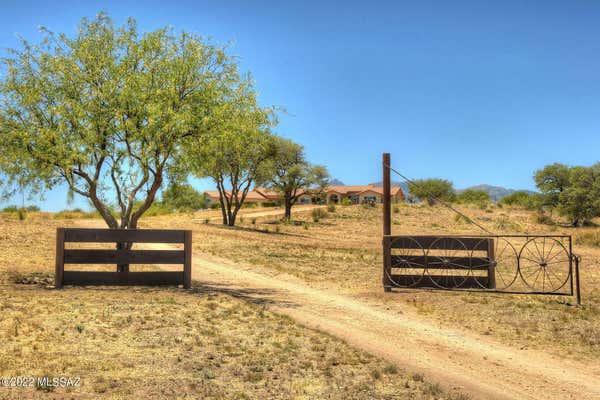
408	267
544	264
448	263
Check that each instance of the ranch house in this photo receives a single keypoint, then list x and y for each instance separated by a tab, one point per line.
359	194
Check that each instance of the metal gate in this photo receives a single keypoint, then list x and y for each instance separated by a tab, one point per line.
525	264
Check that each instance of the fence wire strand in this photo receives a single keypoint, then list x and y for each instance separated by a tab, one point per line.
444	203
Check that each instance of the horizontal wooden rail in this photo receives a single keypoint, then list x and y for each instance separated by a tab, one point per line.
171	278
81	235
123	256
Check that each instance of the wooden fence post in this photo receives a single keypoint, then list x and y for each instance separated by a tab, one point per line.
387	223
60	258
187	266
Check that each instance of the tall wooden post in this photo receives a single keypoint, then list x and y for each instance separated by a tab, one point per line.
187	266
59	269
387	223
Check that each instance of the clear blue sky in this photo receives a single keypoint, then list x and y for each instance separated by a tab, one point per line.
472	91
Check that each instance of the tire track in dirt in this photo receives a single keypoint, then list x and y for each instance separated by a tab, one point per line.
454	359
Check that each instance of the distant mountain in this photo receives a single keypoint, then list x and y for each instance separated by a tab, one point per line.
336	182
496	192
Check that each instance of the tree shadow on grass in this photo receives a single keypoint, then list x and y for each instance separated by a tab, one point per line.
260	296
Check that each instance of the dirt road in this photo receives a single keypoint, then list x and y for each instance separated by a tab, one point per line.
454	359
272	212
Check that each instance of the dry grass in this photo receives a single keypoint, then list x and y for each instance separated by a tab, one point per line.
167	343
343	250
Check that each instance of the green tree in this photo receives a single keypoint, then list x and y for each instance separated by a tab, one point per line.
432	190
552	180
473	196
182	197
294	175
573	191
580	200
106	111
237	152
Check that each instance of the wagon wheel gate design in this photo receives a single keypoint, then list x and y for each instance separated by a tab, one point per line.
519	264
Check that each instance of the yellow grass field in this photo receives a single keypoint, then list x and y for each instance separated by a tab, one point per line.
153	343
344	251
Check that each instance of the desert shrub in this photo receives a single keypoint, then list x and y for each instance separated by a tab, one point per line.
250	205
519	198
215	206
22	214
396	209
459	219
20	210
76	213
331	208
542	218
318	214
270	204
432	190
473	196
503	223
369	204
346	202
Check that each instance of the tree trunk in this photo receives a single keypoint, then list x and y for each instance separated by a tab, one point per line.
288	209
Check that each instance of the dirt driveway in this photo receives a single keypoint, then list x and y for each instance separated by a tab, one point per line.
454	359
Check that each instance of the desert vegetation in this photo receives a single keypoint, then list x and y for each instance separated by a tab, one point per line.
211	343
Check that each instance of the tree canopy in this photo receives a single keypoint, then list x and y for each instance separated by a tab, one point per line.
573	191
107	111
238	150
473	196
432	189
294	175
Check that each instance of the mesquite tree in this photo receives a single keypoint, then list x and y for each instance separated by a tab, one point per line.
238	150
106	112
294	176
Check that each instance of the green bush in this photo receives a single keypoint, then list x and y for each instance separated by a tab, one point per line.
346	202
318	214
10	209
331	208
472	196
270	204
519	198
215	206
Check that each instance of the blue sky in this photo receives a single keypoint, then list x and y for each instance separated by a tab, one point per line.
472	91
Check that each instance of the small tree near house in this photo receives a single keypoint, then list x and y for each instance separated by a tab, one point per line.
238	150
106	112
294	175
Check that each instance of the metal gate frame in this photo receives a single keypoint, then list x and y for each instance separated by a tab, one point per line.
484	263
